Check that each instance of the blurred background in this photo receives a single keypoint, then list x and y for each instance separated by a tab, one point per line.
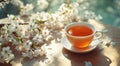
108	9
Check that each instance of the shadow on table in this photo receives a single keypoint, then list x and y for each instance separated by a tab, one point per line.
93	58
5	64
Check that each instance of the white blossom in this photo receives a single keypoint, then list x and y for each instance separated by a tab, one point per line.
17	2
38	39
49	37
37	52
11	17
32	26
6	50
70	9
46	16
42	4
28	53
45	32
27	45
19	48
26	9
7	54
44	49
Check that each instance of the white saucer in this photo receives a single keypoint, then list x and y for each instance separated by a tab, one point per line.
68	46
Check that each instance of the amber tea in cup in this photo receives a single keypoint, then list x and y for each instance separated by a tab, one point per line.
80	35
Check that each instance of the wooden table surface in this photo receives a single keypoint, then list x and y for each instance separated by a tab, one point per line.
109	56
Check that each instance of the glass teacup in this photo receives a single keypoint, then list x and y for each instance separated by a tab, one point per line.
81	34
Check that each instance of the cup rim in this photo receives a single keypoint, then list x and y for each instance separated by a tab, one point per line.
82	23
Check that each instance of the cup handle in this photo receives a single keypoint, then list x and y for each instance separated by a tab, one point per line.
98	35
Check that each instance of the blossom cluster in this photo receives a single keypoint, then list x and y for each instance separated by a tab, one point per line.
30	34
16	37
